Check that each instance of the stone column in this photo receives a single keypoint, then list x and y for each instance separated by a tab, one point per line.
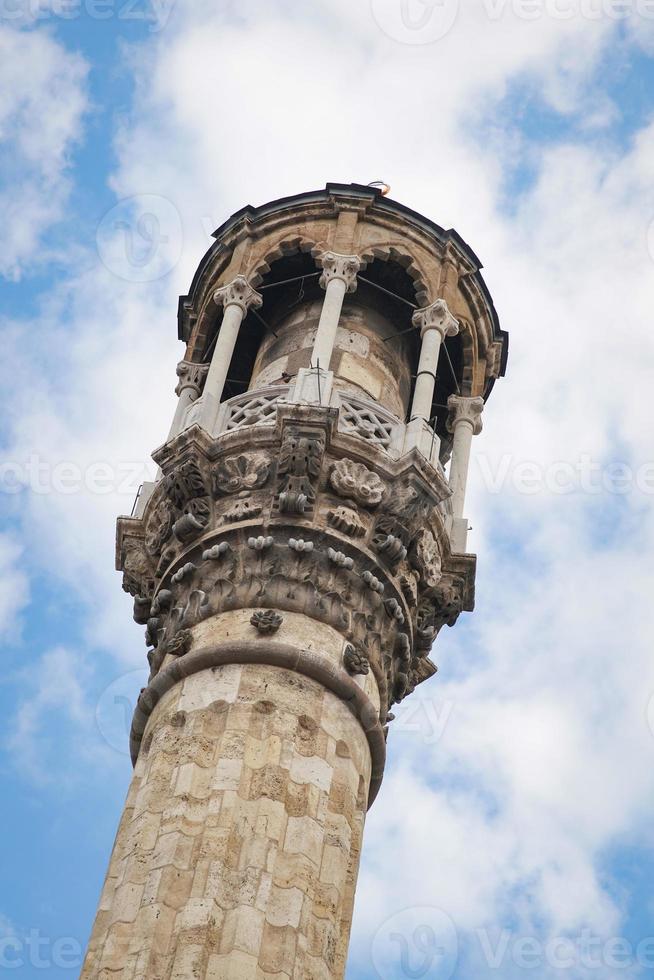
292	577
236	298
189	388
464	422
435	323
238	852
339	276
313	385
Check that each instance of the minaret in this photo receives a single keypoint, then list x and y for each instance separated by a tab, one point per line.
293	564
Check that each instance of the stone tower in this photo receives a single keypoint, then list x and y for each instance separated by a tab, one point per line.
292	564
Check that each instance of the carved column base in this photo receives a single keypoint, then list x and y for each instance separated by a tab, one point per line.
309	390
459	535
421	436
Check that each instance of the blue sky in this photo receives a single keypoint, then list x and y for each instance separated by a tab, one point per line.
517	802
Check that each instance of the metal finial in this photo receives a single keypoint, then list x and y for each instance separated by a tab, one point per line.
382	185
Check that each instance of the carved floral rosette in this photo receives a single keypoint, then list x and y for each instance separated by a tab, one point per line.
283	520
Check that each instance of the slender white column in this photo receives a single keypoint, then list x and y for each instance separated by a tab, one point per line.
339	276
464	422
435	323
189	388
236	298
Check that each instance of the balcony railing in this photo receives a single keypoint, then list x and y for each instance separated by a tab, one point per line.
357	416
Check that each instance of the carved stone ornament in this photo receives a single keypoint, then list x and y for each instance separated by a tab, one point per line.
427	558
158	527
182	509
185	572
141	610
425	624
191	376
209	562
465	411
185	484
261	543
188	526
180	643
347	521
409	505
339	559
300	545
436	317
216	553
242	510
394	609
239	293
354	661
300	459
449	604
356	482
162	602
372	582
266	620
344	267
137	572
247	471
409	586
292	503
392	549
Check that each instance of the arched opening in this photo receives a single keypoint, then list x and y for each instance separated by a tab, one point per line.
386	285
291	279
275	341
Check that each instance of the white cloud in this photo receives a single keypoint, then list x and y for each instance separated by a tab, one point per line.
14	594
54	702
7	928
42	101
534	776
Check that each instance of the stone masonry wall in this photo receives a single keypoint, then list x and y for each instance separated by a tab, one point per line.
238	851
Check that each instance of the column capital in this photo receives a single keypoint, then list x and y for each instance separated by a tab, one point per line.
335	266
436	317
239	293
463	409
191	376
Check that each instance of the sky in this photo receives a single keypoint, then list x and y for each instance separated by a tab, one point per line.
513	835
